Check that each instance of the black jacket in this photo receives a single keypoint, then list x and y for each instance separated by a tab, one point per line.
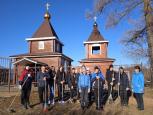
124	81
72	79
51	76
110	75
60	76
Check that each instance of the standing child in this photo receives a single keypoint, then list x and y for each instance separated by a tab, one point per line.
123	86
72	83
138	87
112	80
84	87
98	83
60	83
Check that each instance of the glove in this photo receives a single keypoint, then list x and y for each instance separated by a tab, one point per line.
20	87
20	82
97	77
127	89
118	84
113	79
88	90
29	75
111	83
105	86
80	90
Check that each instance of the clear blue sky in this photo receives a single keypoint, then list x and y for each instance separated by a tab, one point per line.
19	19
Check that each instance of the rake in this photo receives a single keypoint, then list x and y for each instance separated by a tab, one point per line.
10	109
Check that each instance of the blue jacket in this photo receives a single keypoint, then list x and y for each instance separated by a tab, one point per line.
138	82
95	81
99	74
84	81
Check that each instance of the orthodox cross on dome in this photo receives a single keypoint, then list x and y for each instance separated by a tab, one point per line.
95	18
47	6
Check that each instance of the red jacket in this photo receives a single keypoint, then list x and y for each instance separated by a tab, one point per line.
21	78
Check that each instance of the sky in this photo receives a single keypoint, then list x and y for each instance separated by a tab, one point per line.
19	19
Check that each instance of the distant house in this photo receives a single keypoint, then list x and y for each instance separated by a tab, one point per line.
45	48
96	51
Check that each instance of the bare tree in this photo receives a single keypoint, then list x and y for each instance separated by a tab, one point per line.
140	39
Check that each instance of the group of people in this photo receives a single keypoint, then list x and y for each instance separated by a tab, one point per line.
83	86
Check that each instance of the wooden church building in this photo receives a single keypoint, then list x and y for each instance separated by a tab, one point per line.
45	48
96	48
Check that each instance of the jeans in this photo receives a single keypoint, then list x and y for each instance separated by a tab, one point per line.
84	96
51	88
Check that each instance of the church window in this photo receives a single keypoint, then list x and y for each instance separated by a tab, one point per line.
95	50
41	45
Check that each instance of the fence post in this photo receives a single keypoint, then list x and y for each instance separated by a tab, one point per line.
10	69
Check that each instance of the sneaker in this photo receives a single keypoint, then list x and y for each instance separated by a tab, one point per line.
78	101
49	102
28	106
70	100
63	102
59	101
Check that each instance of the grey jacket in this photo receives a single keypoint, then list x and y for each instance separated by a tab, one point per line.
40	76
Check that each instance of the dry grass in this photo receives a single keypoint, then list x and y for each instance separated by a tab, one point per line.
74	109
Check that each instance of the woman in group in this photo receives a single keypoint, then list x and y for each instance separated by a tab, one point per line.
25	80
123	86
138	87
72	83
84	87
112	80
60	83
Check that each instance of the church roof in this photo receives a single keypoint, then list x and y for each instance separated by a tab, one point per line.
95	35
46	29
45	54
97	60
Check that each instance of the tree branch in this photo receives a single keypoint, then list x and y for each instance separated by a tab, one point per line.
115	17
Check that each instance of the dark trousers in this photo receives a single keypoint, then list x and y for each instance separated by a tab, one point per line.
60	93
73	92
84	96
111	92
25	95
42	94
139	100
98	97
124	97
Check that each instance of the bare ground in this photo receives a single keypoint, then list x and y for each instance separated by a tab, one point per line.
74	109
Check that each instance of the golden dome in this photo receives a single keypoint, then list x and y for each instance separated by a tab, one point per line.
47	16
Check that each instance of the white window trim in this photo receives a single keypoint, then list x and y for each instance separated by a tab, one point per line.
93	45
41	45
95	42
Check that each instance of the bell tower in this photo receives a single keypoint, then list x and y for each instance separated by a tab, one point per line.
96	48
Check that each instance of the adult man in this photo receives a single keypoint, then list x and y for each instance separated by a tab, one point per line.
42	77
